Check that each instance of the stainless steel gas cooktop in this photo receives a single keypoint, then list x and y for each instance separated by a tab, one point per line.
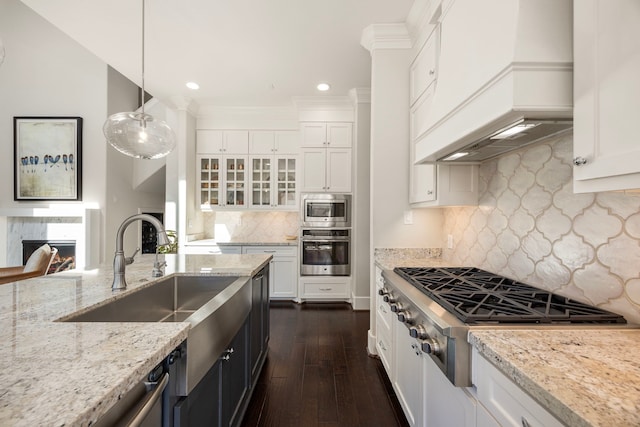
478	297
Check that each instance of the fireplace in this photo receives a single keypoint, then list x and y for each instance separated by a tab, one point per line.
65	259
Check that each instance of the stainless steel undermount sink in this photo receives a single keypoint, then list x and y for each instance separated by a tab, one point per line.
214	306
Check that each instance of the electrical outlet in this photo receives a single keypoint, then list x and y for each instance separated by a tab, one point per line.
449	241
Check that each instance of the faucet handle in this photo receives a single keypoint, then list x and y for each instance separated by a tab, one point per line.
129	260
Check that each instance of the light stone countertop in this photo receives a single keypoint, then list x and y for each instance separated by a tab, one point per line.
389	258
214	242
584	378
66	374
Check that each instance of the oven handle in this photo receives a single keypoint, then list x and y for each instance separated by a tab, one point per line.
346	239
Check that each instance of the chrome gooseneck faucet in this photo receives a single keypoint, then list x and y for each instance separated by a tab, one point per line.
119	260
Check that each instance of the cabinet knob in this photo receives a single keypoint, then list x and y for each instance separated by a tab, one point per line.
579	161
432	72
429	192
525	423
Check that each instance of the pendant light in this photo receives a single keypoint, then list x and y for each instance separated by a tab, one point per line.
138	134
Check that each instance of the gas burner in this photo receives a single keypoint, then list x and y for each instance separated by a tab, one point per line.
476	296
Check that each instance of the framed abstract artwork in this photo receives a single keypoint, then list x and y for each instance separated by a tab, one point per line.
47	158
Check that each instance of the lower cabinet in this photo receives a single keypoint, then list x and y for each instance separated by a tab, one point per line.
325	287
283	275
220	399
409	369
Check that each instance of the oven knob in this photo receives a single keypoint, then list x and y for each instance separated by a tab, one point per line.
418	332
396	307
405	316
431	346
383	291
390	299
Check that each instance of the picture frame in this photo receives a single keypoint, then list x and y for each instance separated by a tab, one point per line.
47	158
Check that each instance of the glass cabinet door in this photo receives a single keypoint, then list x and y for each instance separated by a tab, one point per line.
286	181
235	180
261	182
209	181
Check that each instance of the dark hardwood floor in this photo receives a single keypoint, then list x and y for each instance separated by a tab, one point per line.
318	372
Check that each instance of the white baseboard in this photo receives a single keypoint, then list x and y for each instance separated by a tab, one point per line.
371	344
360	303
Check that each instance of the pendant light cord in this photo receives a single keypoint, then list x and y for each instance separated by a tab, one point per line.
142	89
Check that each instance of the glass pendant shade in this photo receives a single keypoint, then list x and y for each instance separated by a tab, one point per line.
139	135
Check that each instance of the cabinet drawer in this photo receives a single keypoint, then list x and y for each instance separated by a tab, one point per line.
325	290
274	250
505	400
384	315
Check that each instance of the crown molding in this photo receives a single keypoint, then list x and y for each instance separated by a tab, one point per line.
385	36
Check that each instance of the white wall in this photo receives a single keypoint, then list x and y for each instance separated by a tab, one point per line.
45	73
390	159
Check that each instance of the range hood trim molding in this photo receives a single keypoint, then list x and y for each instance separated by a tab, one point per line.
501	102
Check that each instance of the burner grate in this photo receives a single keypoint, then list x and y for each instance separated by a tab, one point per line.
478	297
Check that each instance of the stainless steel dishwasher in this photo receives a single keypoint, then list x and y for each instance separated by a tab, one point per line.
143	405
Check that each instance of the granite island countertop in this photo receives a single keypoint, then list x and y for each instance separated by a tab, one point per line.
583	377
69	374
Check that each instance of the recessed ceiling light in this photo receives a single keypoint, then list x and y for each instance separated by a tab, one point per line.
193	85
323	87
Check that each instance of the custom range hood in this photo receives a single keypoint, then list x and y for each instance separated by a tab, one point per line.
504	80
519	134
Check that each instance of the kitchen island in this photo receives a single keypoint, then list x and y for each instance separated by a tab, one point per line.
55	373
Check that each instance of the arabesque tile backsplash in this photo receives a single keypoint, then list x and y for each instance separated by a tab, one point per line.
530	226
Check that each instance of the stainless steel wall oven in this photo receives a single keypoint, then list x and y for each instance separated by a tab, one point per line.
325	252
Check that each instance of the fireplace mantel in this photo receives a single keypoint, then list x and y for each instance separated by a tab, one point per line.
87	235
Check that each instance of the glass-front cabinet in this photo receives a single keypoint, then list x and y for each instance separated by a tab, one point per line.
223	181
273	182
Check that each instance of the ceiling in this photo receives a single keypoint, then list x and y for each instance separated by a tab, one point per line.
240	52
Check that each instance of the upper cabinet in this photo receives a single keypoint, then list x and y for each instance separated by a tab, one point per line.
606	95
222	142
274	142
326	156
331	134
248	169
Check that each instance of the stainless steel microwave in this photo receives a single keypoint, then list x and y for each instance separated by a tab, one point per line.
326	210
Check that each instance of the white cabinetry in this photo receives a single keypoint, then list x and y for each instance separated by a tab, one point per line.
211	250
446	405
274	142
606	95
409	381
326	157
328	288
384	330
331	134
326	170
443	185
219	141
505	402
274	181
283	269
222	181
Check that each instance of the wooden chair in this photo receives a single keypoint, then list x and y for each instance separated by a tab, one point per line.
37	265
